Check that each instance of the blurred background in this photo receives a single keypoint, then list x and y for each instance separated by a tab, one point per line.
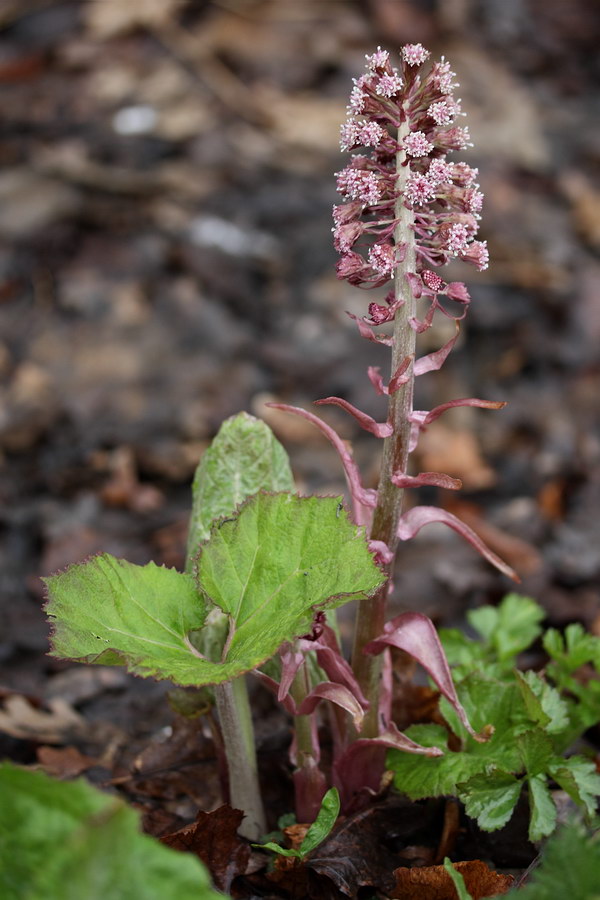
165	261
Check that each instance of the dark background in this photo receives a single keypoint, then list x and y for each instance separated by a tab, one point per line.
165	261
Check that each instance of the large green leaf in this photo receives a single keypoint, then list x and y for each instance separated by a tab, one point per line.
112	612
243	459
268	568
69	840
273	565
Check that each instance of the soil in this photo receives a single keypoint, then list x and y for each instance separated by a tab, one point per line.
165	262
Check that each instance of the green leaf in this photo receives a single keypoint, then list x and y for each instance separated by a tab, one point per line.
543	702
326	819
421	776
542	809
112	612
514	627
490	798
579	778
457	880
280	558
68	840
569	868
282	851
535	750
243	459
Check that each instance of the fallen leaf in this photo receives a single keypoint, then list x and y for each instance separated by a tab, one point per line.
357	853
105	20
21	719
434	883
214	839
64	762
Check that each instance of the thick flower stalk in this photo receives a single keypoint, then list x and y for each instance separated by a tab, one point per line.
408	210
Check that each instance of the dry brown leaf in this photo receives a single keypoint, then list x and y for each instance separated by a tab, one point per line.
21	719
107	19
64	762
457	452
434	883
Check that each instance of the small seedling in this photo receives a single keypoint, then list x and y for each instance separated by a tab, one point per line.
318	831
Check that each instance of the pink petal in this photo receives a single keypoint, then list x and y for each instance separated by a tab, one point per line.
379	429
434	361
362	497
368	333
467	401
416	635
335	693
413	520
435	479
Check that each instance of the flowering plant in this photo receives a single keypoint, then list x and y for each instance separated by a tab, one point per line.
264	565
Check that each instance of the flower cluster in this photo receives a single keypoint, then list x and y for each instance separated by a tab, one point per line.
410	172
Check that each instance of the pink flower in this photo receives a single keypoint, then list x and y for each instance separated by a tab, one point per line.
432	280
444	111
456	238
358	184
478	254
456	290
382	258
377	60
358	94
388	85
347	212
439	171
371	134
380	314
463	174
419	190
442	75
473	201
416	144
454	139
345	236
414	54
351	265
349	135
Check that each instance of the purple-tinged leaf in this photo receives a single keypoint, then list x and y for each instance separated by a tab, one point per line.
421	326
433	479
335	693
435	413
271	685
368	333
361	765
415	284
291	660
379	429
310	786
400	376
413	520
416	635
362	497
382	552
333	663
374	373
434	361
